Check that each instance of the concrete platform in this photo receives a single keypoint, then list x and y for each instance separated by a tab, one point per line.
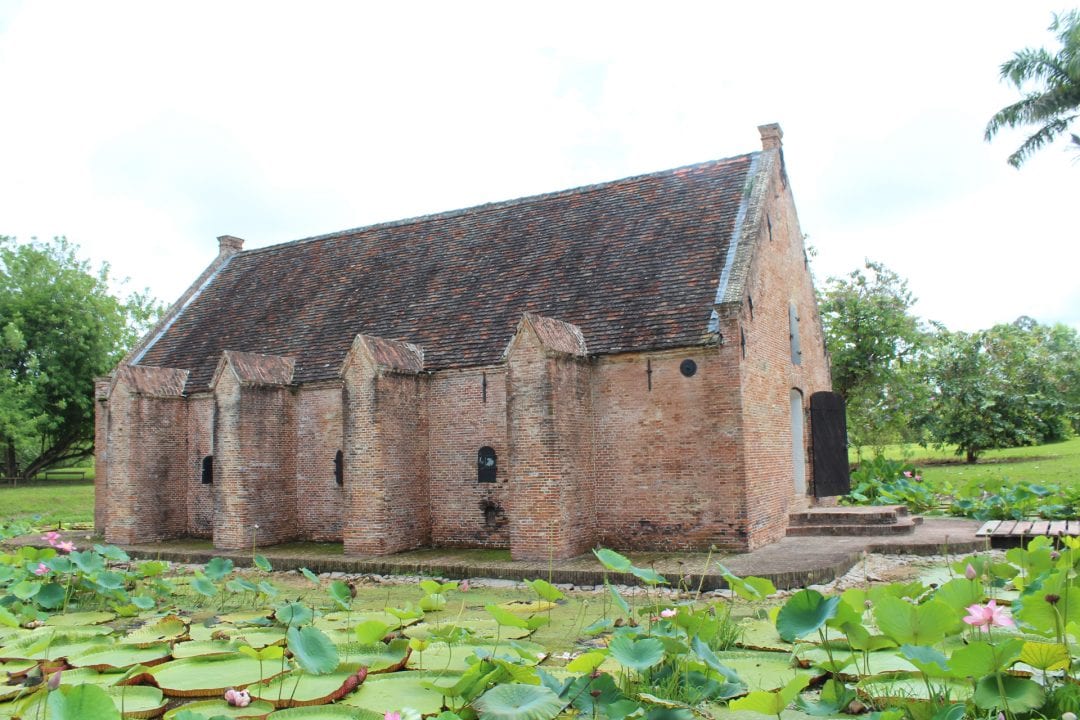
790	563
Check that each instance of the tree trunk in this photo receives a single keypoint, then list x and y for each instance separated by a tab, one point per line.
11	464
972	455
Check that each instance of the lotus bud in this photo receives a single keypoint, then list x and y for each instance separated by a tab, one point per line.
1054	555
54	681
970	573
1068	716
1052	598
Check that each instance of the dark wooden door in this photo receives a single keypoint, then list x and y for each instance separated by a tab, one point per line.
828	428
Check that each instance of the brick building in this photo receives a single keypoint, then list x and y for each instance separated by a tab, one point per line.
627	364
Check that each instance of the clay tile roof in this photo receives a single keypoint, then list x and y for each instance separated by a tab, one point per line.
155	381
557	335
255	369
634	263
393	355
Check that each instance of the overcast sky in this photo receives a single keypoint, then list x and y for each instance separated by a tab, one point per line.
143	130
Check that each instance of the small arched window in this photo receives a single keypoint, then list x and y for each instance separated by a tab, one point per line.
208	470
486	465
339	469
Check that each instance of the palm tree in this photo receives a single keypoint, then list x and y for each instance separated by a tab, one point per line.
1054	103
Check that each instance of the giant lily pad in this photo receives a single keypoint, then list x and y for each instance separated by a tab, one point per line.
202	648
43	646
110	657
376	657
137	701
168	629
214	708
762	670
455	658
302	689
210	676
324	712
884	688
382	693
481	628
92	617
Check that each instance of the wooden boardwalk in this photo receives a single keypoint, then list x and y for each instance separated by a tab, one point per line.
1028	528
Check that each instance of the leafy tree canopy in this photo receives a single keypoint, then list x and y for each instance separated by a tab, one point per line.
1014	384
873	341
60	327
1050	82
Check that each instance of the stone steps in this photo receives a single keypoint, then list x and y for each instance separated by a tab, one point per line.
835	521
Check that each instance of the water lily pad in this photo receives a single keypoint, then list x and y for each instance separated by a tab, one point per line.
167	629
375	657
246	617
527	607
212	708
910	685
761	634
256	637
886	661
49	646
382	693
480	628
324	712
210	676
120	656
137	701
454	658
302	689
93	617
762	670
523	702
194	648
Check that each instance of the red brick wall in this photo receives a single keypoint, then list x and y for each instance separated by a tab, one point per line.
464	512
320	500
254	464
552	488
145	451
668	464
200	497
778	276
101	452
386	470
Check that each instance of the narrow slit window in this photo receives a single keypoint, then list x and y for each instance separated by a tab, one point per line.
793	323
208	470
339	470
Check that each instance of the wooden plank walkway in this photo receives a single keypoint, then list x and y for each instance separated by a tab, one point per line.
1028	528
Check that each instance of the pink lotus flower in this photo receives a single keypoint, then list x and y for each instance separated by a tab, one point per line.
907	473
464	586
52	537
918	478
668	613
41	569
54	680
66	546
987	615
392	716
970	573
237	698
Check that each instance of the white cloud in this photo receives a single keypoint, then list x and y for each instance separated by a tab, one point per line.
142	130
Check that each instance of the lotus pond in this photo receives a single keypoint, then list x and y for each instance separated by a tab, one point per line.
90	634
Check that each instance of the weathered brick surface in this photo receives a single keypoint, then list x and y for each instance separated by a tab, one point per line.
467	411
254	463
778	277
386	470
320	501
599	437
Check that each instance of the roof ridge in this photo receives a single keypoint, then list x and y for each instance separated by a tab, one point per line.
497	205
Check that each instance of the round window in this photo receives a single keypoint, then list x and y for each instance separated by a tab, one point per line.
688	367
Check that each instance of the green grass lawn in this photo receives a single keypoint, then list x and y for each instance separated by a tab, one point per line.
1055	463
48	502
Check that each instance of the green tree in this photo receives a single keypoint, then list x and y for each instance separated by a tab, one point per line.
1050	82
1011	385
60	327
873	341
